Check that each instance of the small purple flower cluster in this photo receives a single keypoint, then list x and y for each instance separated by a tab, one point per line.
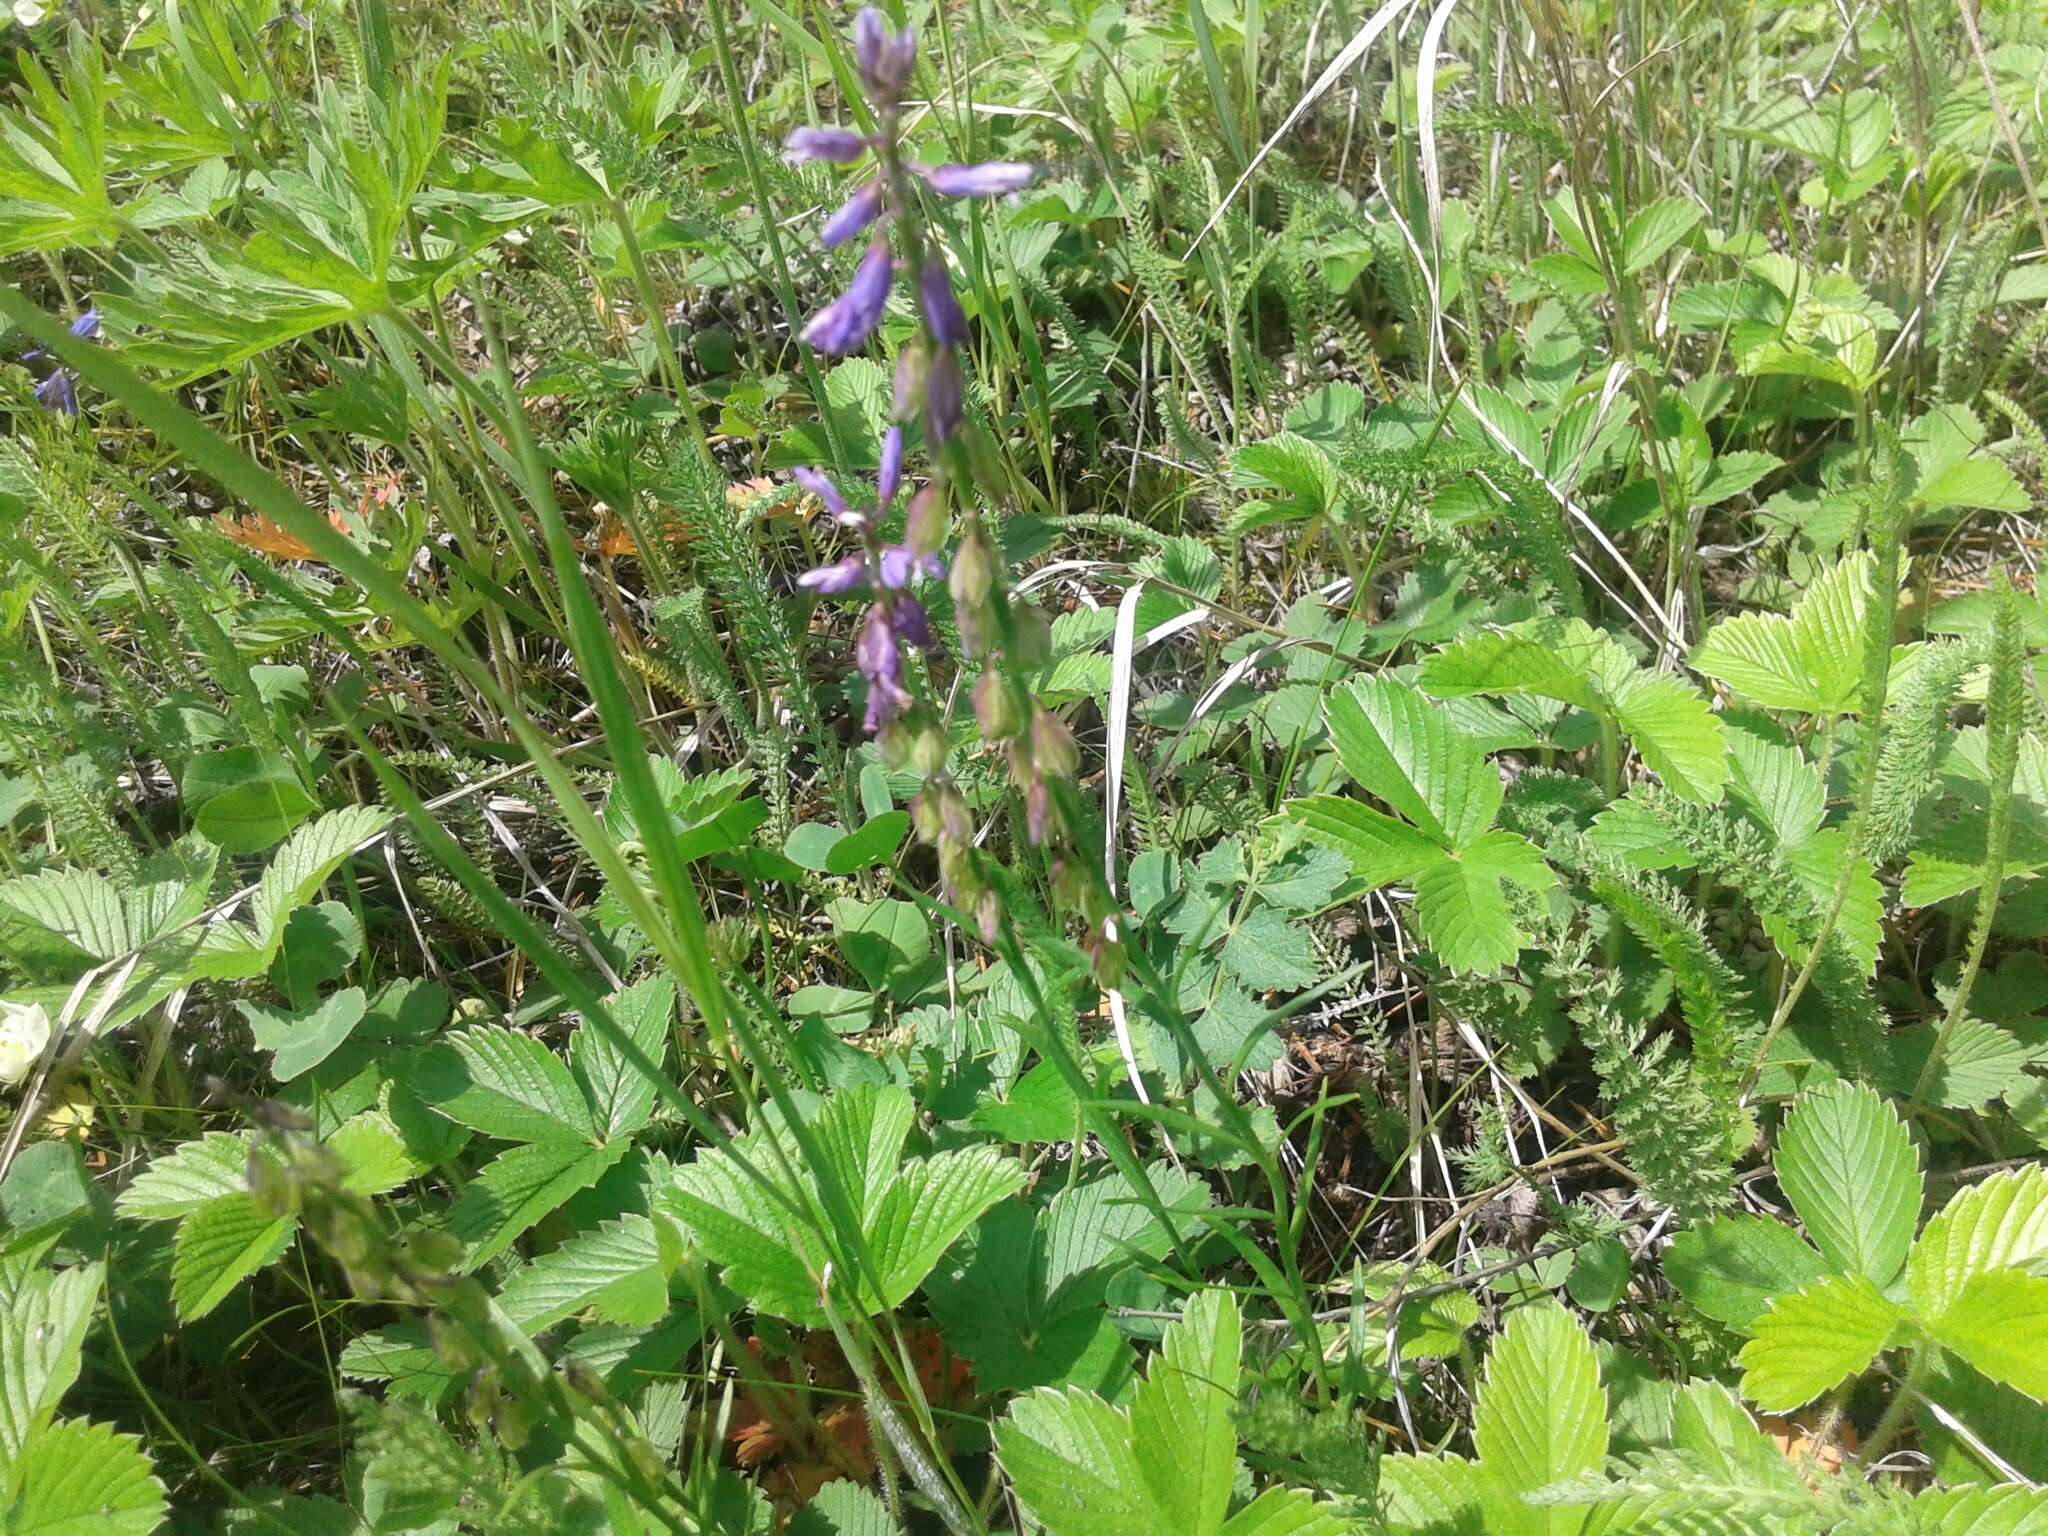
928	378
59	392
895	619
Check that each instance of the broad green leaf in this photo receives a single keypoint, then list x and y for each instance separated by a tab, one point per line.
927	1209
236	951
1850	1169
1382	850
1265	951
1548	661
1290	464
41	1332
614	1271
1542	1413
2010	1510
195	1175
372	1152
1434	1495
1813	1340
1403	749
81	1479
1464	908
1285	1512
1811	661
621	1095
1979	1063
244	798
1653	230
1041	1106
1998	1322
1074	1466
300	1042
504	1084
1675	732
1777	785
872	844
1999	1224
1732	1266
520	1187
843	1509
1182	1417
879	938
319	943
218	1247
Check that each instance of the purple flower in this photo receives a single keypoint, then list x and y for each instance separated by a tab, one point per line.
850	319
885	62
59	393
912	624
991	178
831	580
942	316
899	565
891	476
854	215
880	660
828	493
836	146
87	326
943	397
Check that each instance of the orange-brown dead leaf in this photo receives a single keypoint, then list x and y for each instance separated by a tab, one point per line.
259	533
1795	1437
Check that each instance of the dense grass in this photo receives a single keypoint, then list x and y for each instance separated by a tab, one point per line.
1441	752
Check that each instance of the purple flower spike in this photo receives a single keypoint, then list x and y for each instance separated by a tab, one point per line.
854	215
942	316
87	325
943	398
991	178
831	580
901	565
850	319
885	62
912	624
826	492
58	393
836	146
891	477
879	659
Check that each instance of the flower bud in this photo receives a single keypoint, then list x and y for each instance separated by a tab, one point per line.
995	707
924	524
913	363
1030	635
928	749
973	571
1053	749
988	916
945	394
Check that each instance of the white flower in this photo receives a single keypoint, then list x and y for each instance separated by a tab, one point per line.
28	13
24	1031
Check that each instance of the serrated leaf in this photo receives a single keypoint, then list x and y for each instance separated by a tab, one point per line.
1811	660
615	1271
926	1210
504	1084
1675	732
1267	952
42	1330
1382	851
195	1175
1732	1266
1181	1418
1849	1167
1542	1413
843	1509
1980	1063
519	1187
1464	908
1285	1512
299	1042
621	1094
372	1152
218	1247
1438	1495
1399	747
1072	1464
1999	1324
2001	1223
82	1479
1813	1340
1653	230
1777	785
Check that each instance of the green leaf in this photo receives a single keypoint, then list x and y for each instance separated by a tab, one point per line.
1599	1274
843	1509
1811	661
1542	1413
1041	1106
218	1247
1285	1512
876	840
1850	1169
1980	1062
615	1272
1464	908
1732	1266
1382	850
879	938
1403	749
1073	1465
319	943
300	1042
504	1084
1266	952
520	1187
81	1479
42	1330
373	1154
1813	1340
621	1094
1676	733
1999	1324
1181	1418
1434	1495
234	951
2001	1223
928	1208
244	798
1654	230
195	1175
1290	464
